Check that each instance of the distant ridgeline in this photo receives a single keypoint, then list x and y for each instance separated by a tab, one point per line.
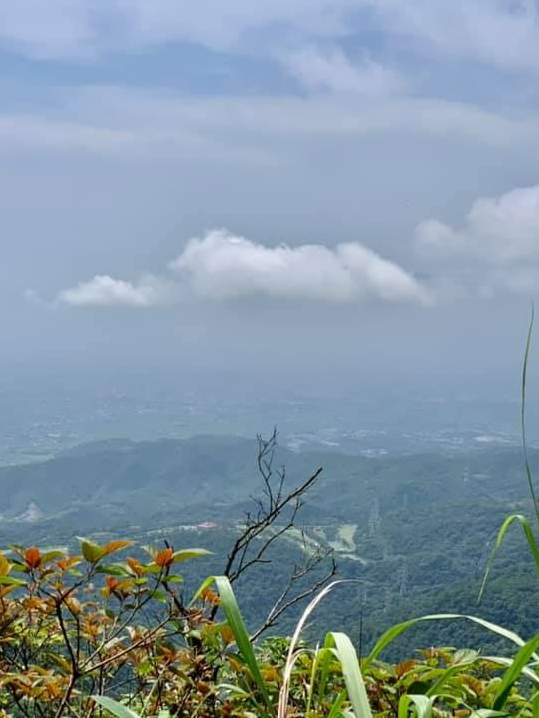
382	516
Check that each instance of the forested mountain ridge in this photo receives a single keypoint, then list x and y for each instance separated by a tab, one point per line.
381	516
138	479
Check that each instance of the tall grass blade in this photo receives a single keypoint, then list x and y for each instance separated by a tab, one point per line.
312	678
345	652
513	673
523	416
335	711
530	537
392	633
324	659
237	626
283	694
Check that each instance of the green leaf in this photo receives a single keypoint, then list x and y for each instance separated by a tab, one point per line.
234	689
91	551
172	578
152	568
237	626
117	709
188	553
19	567
512	674
144	668
203	586
112	569
422	705
335	711
159	596
353	680
446	675
10	581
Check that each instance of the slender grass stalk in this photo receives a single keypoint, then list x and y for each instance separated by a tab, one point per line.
336	711
523	416
528	531
311	681
287	674
530	538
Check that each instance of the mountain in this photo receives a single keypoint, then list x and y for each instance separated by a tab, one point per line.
382	516
135	480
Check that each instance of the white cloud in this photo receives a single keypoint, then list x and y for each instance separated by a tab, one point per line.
332	70
103	290
496	248
503	230
223	266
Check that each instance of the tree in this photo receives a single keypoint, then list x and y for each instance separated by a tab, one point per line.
276	515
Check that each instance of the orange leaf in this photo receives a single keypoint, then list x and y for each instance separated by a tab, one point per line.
135	566
165	557
33	557
65	563
227	635
113	546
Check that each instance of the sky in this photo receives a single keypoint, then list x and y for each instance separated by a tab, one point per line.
318	191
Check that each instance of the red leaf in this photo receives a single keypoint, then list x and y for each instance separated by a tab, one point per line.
33	557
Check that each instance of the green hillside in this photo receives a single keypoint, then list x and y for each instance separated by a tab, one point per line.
382	517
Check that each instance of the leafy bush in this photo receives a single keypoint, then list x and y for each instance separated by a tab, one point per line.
84	634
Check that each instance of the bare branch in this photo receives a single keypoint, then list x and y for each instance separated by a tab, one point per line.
276	514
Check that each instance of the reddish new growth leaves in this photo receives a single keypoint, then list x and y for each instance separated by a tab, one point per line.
165	557
62	638
33	557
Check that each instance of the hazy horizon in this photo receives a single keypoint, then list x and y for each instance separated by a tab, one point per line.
321	196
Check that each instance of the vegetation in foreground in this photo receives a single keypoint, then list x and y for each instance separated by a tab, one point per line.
86	634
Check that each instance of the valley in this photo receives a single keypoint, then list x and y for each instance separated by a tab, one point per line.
381	517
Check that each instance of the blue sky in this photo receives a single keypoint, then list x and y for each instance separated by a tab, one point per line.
334	166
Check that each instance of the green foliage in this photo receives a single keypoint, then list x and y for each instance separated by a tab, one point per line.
78	632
